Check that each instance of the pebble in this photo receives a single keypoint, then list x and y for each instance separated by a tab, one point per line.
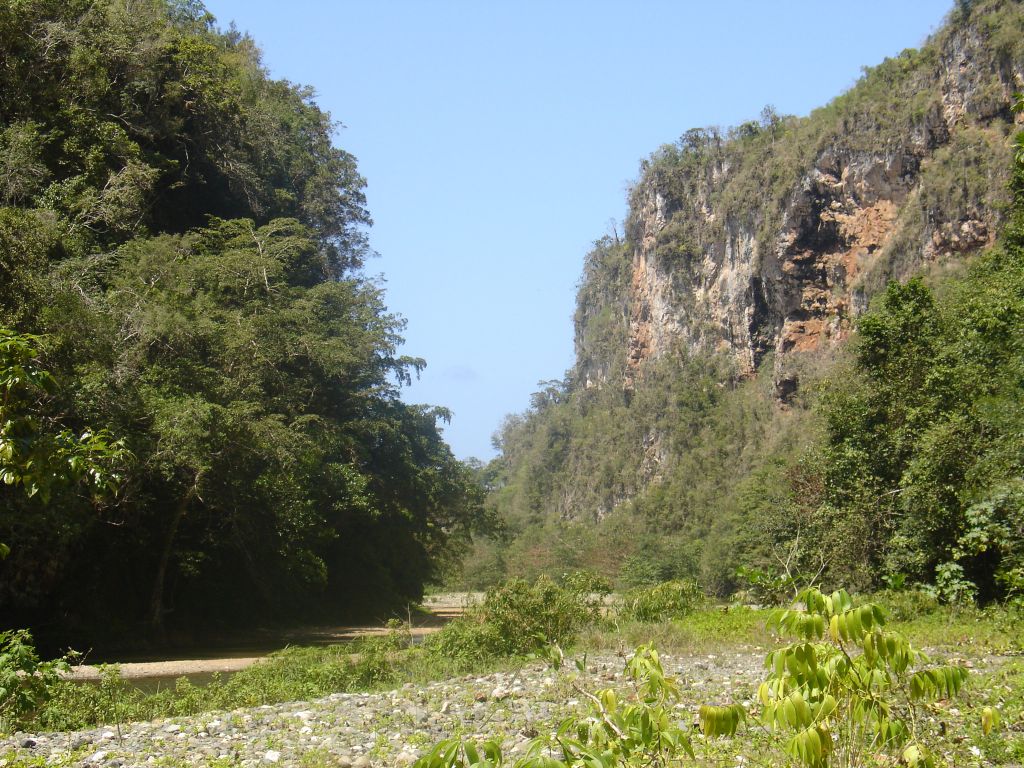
368	730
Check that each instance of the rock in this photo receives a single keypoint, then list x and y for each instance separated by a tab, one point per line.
29	743
348	726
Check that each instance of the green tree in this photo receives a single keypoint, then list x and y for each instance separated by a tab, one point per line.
181	231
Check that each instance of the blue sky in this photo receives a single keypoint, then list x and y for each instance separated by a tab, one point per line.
499	138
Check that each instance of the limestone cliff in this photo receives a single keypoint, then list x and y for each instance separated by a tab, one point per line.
772	237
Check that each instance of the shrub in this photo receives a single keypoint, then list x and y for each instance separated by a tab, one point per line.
519	616
26	682
849	690
669	600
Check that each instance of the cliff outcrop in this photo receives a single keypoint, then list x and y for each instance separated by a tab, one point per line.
772	237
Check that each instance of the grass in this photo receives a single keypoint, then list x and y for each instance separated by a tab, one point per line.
967	631
702	631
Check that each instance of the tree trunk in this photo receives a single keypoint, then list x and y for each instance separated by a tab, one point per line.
156	603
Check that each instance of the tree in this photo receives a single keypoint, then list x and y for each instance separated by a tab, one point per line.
37	453
181	230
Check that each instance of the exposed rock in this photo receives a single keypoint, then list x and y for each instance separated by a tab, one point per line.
786	388
789	282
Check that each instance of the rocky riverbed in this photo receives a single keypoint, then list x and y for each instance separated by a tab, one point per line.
359	730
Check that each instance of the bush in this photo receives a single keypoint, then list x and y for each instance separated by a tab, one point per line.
26	683
669	600
518	617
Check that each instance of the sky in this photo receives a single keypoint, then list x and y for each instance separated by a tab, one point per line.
499	140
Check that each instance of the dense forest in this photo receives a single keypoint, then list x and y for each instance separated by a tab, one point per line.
803	357
200	390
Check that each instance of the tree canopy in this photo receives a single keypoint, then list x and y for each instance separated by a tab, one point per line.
185	241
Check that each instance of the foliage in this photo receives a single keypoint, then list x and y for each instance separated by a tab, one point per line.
518	617
907	604
668	600
36	452
847	692
182	243
763	587
384	662
641	732
26	683
849	689
924	444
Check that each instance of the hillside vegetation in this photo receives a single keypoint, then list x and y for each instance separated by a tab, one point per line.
737	413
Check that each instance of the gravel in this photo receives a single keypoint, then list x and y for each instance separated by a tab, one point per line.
374	730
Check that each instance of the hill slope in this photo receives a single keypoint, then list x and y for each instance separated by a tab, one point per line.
704	334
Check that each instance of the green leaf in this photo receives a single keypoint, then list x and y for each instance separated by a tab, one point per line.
989	720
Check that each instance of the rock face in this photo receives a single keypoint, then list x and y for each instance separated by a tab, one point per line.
726	258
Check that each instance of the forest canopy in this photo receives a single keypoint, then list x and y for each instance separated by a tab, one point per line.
184	241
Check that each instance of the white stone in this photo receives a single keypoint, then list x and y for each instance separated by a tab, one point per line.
272	756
